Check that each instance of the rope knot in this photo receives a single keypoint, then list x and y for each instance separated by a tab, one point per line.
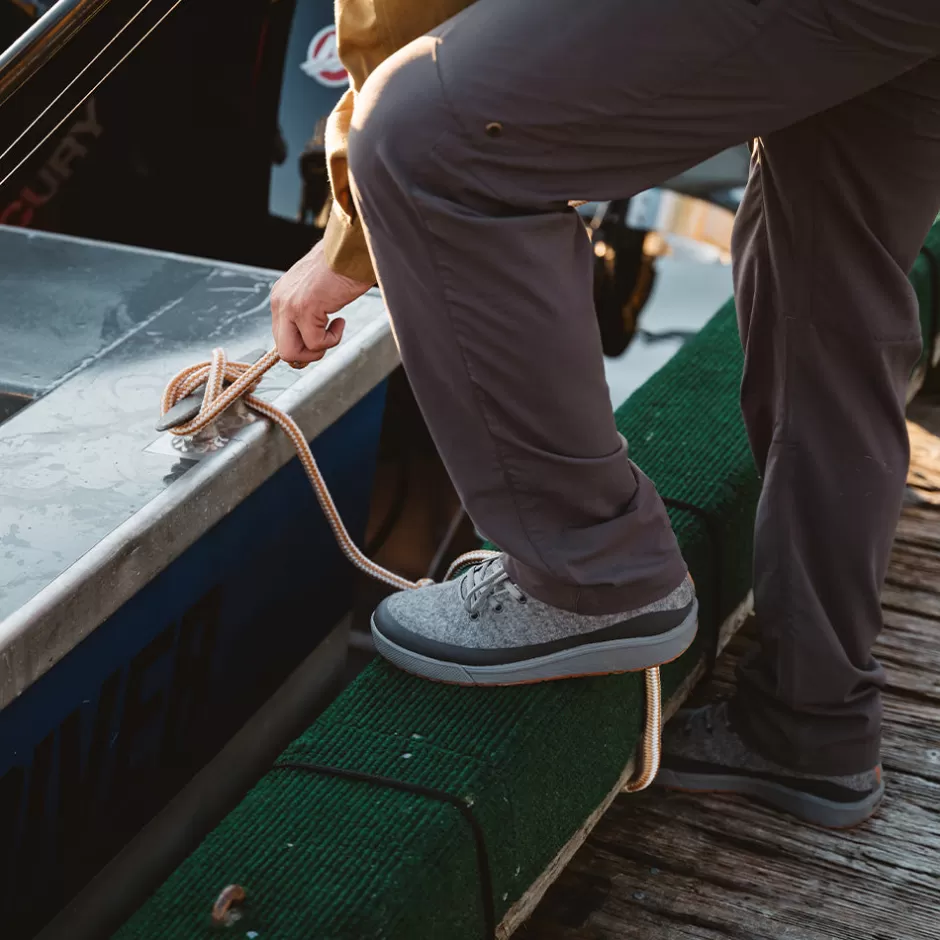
242	379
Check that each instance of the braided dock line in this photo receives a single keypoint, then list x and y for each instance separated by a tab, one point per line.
244	378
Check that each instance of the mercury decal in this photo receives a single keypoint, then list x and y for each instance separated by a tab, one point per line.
322	63
43	187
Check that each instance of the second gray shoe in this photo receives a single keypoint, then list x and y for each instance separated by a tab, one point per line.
703	753
482	629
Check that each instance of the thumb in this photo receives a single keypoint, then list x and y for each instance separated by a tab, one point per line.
334	333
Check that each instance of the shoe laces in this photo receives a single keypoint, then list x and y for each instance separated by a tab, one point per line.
487	584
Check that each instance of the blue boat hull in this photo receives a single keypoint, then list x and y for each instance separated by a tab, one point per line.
100	743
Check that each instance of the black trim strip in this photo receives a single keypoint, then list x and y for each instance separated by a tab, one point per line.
483	861
654	623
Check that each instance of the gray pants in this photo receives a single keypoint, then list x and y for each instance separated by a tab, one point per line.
467	145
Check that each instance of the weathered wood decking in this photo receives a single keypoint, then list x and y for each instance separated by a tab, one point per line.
663	866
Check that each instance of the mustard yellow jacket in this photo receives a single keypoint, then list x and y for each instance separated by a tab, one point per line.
368	31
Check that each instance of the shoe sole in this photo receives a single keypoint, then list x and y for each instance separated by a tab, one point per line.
630	654
816	810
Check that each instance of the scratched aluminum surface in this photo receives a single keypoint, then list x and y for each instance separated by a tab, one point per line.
99	330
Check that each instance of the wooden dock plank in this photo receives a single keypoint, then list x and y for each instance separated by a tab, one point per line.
672	866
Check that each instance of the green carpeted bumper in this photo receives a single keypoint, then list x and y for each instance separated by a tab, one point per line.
329	859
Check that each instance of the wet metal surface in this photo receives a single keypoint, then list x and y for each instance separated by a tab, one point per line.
97	331
65	305
100	330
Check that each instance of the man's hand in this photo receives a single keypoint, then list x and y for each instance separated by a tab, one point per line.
301	304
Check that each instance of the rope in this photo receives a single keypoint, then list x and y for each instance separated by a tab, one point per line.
244	378
652	734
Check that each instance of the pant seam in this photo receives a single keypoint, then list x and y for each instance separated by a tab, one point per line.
504	463
497	450
445	297
475	386
457	341
501	458
784	528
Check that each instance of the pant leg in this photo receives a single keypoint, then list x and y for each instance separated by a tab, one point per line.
835	213
466	146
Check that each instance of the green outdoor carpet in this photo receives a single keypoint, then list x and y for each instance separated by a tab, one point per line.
328	859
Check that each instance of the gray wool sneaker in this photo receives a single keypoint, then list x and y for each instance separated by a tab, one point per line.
703	753
482	629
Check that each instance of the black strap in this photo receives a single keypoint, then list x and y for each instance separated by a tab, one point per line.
933	280
442	796
714	536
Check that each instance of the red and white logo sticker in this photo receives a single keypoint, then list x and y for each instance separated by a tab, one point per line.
323	62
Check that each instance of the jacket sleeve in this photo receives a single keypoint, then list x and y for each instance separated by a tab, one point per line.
361	46
367	31
344	241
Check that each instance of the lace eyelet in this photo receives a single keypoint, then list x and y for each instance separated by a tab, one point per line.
474	616
498	608
523	599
